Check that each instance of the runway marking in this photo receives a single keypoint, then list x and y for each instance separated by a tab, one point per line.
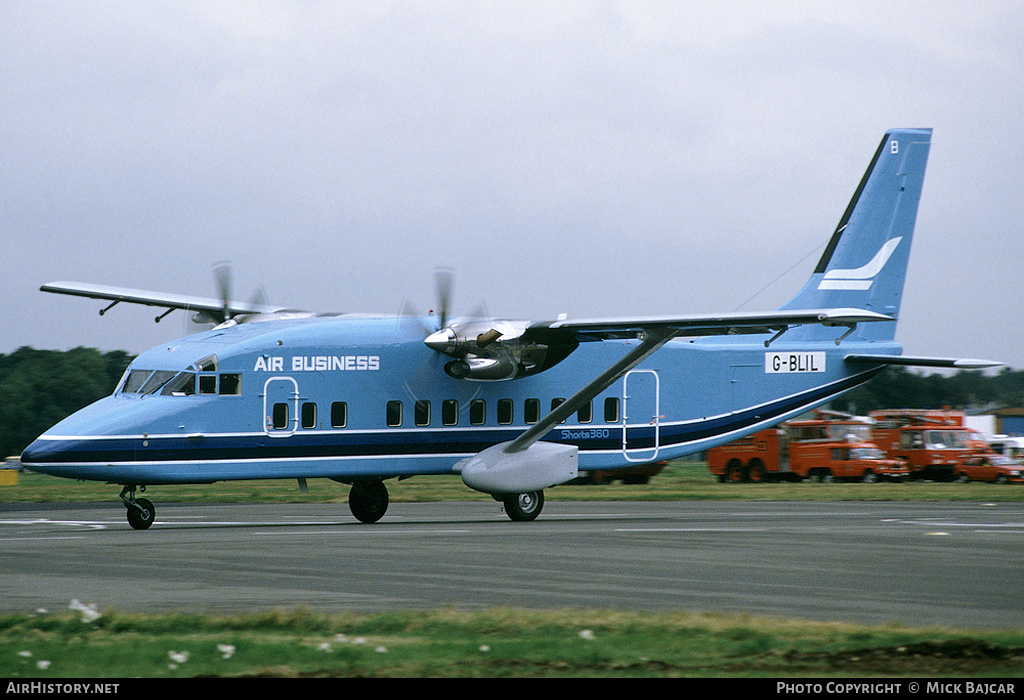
691	529
91	524
41	537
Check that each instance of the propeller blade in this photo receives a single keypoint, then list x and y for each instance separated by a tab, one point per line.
222	276
444	280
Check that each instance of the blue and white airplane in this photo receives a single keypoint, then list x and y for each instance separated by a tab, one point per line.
514	407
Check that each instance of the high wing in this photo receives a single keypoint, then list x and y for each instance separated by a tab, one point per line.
704	324
526	463
208	309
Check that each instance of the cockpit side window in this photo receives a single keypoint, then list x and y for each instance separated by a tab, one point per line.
207	383
230	384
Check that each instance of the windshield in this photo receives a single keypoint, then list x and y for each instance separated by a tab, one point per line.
866	453
845	431
945	439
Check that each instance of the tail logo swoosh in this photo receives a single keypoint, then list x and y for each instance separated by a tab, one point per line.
860	278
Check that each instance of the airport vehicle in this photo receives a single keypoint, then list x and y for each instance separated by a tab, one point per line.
635	475
1007	446
820	449
932	442
514	407
990	467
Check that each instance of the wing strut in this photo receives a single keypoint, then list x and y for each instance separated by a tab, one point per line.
651	340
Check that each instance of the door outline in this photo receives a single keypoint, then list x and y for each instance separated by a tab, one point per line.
643	397
271	396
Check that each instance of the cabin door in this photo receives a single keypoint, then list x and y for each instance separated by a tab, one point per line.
280	406
641	418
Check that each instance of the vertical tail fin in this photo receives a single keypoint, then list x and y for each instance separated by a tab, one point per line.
865	263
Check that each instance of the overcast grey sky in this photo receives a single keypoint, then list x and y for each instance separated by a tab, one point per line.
588	158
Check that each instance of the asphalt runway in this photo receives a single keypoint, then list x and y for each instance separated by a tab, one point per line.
954	565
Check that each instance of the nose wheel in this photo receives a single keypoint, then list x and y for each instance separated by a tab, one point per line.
141	512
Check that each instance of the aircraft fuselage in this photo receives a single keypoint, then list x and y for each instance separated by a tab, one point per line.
275	400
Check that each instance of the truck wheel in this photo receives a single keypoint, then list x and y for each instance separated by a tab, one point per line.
734	473
870	477
755	472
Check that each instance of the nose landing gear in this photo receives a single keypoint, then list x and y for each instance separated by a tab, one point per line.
141	512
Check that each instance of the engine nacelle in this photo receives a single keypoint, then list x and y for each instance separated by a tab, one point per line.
492	351
482	368
540	466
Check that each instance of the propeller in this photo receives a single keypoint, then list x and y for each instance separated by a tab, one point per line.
444	282
222	279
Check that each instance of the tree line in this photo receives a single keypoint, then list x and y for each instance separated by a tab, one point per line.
40	387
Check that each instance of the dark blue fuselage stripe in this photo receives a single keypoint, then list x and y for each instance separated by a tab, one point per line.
300	445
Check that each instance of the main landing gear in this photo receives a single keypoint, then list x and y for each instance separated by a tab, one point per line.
368	501
523	507
141	512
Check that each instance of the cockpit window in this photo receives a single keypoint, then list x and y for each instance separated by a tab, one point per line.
230	384
135	379
184	384
207	364
156	381
187	383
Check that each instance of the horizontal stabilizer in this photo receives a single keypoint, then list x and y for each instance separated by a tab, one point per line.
913	361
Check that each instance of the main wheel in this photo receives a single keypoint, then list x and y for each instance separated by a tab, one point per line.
523	507
141	513
755	471
368	500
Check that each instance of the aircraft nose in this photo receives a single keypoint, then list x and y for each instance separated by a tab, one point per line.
42	453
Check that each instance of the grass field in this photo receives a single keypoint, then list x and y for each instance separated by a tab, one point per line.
82	643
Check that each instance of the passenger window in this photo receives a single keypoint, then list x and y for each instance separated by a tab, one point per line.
586	413
422	411
308	415
394	414
555	403
611	409
339	414
477	412
231	384
280	421
505	411
450	412
531	410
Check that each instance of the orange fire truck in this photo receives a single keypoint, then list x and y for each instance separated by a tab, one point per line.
821	449
932	442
